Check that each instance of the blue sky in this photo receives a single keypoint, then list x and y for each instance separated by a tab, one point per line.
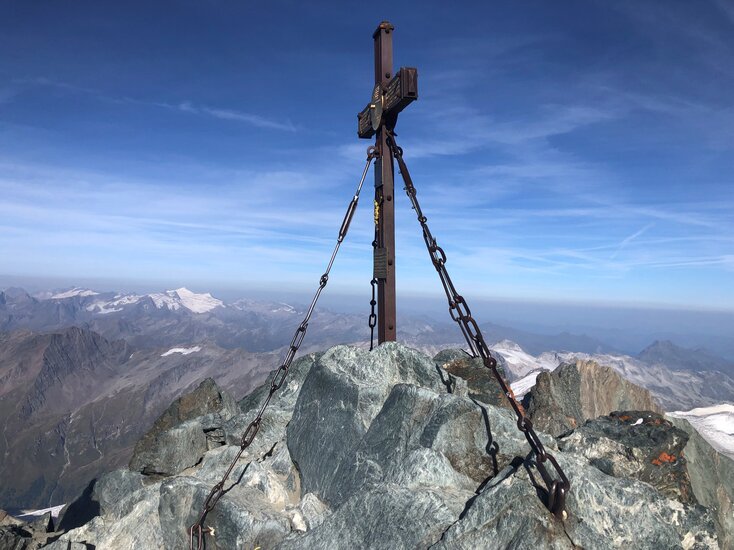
562	151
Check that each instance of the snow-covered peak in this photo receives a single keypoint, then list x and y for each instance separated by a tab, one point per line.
183	297
507	345
519	362
74	292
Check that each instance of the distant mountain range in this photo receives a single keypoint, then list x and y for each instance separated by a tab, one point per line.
182	317
84	373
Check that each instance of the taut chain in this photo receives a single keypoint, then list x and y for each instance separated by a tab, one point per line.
460	312
197	530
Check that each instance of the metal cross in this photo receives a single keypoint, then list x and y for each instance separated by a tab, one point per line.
392	93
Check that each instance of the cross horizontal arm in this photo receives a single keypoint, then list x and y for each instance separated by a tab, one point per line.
399	93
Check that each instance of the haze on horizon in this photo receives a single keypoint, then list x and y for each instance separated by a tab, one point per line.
564	154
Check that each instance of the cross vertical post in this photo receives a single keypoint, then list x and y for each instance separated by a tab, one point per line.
384	195
392	93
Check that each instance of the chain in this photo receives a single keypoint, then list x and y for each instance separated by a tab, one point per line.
197	530
373	316
460	312
374	282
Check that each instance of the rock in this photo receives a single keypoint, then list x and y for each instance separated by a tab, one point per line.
379	519
603	512
712	480
7	519
575	392
42	524
65	545
421	438
178	439
481	383
313	511
639	445
113	492
19	535
340	397
373	449
80	510
14	537
494	519
139	528
242	519
278	413
172	451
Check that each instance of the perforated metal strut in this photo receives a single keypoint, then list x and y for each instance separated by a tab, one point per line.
557	489
197	539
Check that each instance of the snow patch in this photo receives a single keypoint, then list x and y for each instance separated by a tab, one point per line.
76	291
114	305
525	384
285	308
715	424
55	511
182	351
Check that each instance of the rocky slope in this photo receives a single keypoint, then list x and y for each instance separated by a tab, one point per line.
387	449
575	392
73	404
685	382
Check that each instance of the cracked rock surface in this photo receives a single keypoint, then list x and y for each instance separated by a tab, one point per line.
389	449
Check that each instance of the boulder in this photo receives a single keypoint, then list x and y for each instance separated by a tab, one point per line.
342	394
480	381
639	445
178	438
15	537
115	492
603	512
575	392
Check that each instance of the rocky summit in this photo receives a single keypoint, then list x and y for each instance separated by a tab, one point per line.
394	449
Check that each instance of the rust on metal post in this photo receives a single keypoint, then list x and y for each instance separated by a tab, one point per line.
392	93
384	189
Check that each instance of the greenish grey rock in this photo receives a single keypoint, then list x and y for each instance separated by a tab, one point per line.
388	516
172	451
638	445
480	381
178	438
113	492
376	450
342	394
603	512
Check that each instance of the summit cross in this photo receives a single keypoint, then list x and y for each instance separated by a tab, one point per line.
391	94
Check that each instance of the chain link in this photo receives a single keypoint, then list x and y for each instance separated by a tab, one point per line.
373	316
460	312
197	530
374	282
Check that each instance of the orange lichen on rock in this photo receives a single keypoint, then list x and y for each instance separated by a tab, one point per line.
664	457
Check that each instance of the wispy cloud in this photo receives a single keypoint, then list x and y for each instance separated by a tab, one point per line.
239	116
255	120
630	238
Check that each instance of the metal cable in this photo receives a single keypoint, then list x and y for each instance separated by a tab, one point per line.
460	312
197	530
